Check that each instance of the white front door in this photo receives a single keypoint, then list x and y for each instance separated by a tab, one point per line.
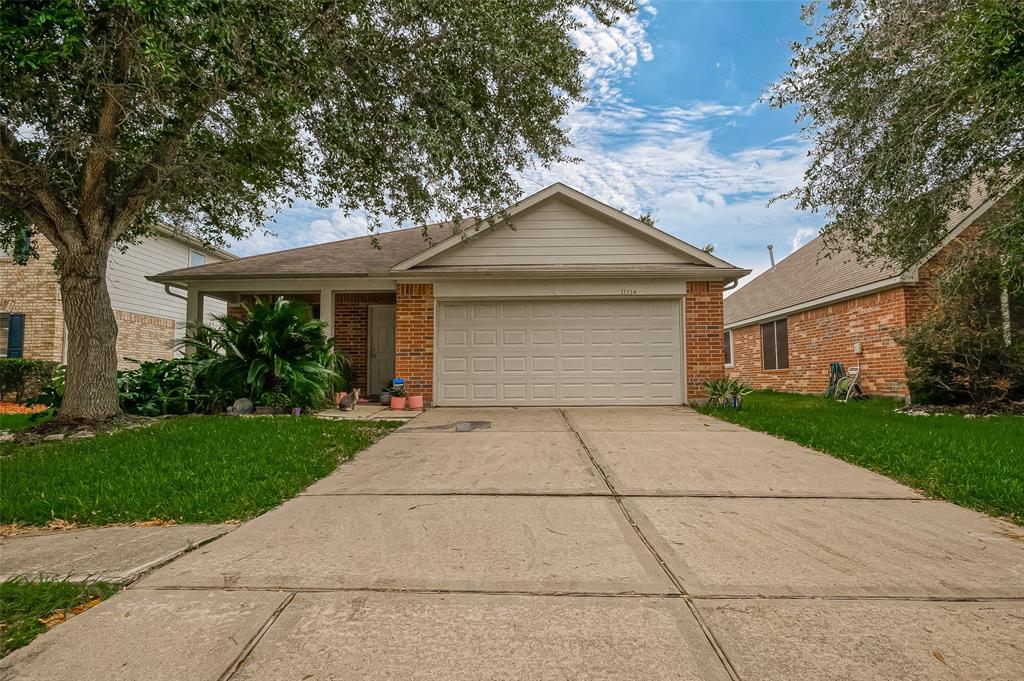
381	365
560	352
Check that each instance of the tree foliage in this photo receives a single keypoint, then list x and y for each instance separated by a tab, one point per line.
212	114
209	113
909	104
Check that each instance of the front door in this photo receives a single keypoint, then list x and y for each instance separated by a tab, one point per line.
381	367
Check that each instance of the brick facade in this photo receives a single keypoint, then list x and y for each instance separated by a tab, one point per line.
414	338
32	290
826	334
351	328
705	352
142	337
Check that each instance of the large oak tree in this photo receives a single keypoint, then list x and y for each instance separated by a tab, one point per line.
211	114
908	104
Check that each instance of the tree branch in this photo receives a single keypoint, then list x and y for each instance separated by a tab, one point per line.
147	181
94	204
24	185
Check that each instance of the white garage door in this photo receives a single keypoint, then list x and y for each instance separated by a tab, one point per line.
546	352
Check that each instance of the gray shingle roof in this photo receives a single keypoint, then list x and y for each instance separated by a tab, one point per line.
812	272
809	273
349	257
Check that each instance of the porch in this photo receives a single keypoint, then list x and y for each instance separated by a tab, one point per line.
362	322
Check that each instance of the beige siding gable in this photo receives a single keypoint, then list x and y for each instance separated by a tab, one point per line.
556	232
131	292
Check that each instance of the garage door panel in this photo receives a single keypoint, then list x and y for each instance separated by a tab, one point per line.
560	352
454	365
455	337
484	312
513	391
574	364
513	365
455	392
574	337
542	337
484	391
510	337
485	365
543	391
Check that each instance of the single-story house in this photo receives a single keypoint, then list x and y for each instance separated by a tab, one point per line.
561	301
785	327
149	316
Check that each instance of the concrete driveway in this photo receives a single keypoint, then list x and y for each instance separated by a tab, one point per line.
602	543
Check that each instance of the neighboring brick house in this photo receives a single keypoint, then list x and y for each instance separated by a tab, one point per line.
785	327
562	301
148	317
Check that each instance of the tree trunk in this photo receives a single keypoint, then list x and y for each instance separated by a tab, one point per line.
91	389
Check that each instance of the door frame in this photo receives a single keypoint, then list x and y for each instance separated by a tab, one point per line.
370	378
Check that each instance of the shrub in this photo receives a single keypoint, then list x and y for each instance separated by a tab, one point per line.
20	378
163	386
277	349
726	392
958	354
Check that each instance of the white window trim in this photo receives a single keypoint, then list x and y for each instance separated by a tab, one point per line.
192	252
732	352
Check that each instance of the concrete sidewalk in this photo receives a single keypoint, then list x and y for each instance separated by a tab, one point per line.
620	543
111	554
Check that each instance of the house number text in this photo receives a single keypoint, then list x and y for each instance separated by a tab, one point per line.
628	292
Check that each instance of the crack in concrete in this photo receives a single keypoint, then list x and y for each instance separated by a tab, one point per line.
690	605
254	641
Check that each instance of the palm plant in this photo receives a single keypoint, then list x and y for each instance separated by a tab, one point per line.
276	350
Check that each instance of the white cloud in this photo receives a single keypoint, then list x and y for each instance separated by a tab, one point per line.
667	160
801	236
612	51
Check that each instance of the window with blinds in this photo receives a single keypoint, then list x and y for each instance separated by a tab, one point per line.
775	345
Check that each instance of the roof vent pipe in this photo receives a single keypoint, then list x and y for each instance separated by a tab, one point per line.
771	255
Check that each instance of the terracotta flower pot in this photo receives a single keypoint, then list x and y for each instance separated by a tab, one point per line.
338	397
415	402
397	403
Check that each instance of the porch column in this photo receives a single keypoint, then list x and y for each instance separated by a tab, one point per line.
193	310
327	311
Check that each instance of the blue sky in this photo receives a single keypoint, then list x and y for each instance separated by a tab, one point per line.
673	127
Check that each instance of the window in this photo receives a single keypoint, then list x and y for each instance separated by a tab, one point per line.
12	334
728	348
775	345
196	258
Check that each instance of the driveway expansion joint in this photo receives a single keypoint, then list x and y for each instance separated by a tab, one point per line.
727	664
254	641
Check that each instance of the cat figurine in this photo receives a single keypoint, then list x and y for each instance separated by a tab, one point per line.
349	401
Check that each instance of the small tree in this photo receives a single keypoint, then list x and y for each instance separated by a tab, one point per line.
212	113
958	353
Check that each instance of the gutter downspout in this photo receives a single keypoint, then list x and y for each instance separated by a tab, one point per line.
167	290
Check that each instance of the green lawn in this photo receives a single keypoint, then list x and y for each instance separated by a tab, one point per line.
191	469
978	463
23	421
24	604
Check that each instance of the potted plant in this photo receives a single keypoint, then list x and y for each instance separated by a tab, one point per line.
397	397
415	402
385	396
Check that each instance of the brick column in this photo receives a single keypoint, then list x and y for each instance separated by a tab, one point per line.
705	352
414	338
